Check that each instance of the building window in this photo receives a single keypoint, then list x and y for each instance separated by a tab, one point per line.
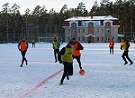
78	30
73	24
97	23
68	30
102	38
83	23
83	38
102	31
97	38
97	30
83	30
79	38
113	30
108	24
90	24
107	38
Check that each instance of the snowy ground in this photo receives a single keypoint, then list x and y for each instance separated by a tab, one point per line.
106	76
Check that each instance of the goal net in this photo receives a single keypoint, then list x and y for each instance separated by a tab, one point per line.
45	39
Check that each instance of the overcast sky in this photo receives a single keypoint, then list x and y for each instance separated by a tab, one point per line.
56	4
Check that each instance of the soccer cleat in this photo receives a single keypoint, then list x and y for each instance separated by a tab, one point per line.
131	63
61	83
125	63
67	77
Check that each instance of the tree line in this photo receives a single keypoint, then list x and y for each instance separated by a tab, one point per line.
43	23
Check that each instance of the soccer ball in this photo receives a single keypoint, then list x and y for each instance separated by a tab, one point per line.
81	71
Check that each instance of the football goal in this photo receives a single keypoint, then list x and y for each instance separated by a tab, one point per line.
45	39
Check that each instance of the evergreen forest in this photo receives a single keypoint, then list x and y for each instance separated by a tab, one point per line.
42	22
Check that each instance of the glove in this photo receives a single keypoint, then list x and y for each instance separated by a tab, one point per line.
19	49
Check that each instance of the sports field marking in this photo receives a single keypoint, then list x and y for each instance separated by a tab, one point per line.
40	84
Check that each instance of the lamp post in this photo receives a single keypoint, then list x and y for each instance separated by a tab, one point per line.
27	13
131	24
7	26
27	25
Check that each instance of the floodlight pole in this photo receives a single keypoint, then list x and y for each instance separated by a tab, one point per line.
7	26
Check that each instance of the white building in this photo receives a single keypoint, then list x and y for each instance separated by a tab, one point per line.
94	29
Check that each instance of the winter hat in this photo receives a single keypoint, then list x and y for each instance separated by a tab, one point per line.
70	42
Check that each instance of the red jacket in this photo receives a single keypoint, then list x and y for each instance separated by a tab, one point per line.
76	49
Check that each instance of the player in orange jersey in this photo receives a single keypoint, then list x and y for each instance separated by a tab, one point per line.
23	46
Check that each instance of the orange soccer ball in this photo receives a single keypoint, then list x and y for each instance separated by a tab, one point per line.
81	71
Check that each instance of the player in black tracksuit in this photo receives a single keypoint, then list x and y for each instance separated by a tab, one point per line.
65	57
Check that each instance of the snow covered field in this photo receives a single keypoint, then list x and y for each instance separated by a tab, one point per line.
105	77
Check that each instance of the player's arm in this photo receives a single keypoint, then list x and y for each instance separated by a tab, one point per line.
62	51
